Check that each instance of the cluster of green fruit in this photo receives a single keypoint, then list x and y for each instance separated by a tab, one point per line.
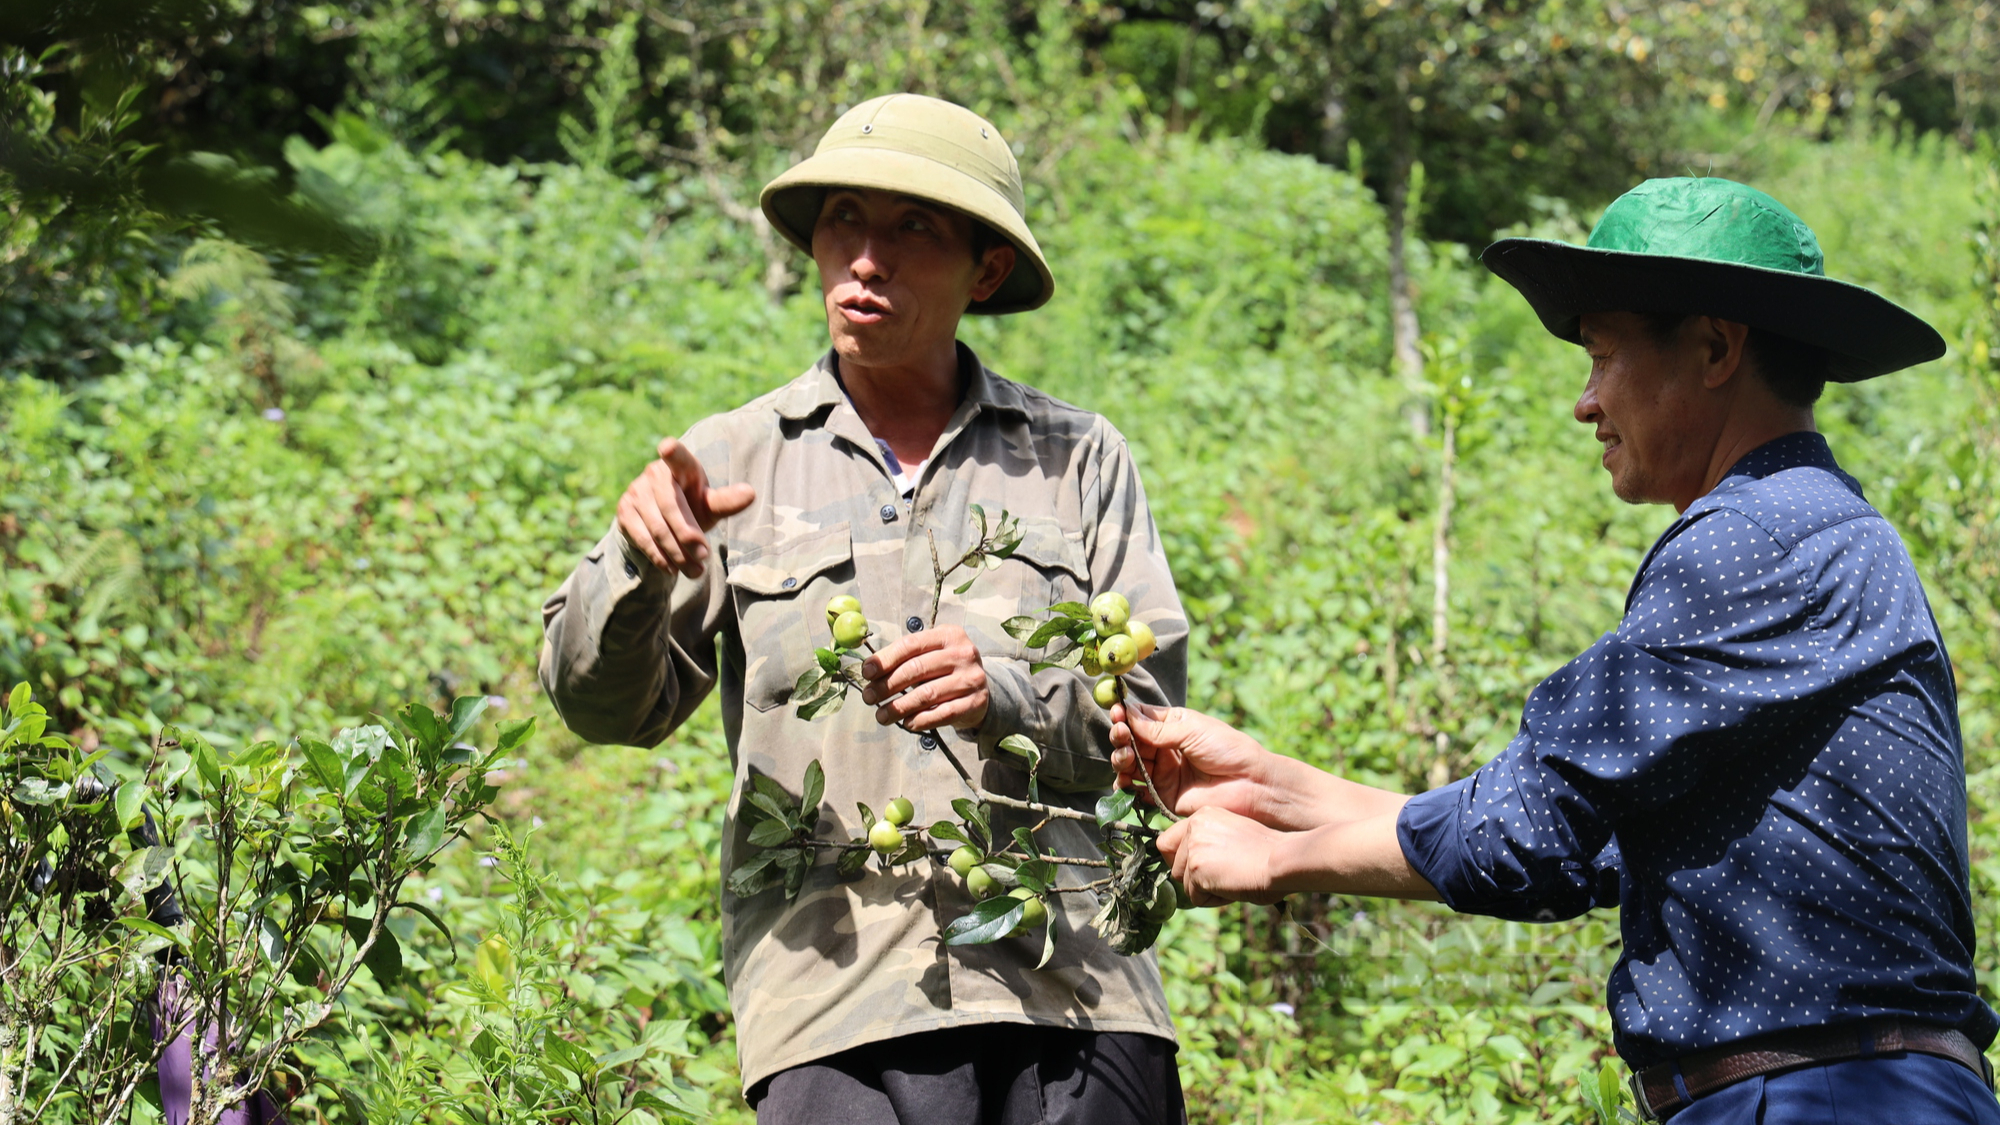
1119	645
844	617
968	863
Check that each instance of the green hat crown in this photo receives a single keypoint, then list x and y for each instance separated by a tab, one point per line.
1710	247
1711	219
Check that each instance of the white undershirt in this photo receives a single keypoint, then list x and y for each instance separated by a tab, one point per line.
905	476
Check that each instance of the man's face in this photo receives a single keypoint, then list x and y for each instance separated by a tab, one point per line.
1657	421
897	273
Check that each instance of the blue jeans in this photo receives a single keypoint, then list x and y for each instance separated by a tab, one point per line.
1906	1089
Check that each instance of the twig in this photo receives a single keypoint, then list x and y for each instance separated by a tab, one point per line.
1152	789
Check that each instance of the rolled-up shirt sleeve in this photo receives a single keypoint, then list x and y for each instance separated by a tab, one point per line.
1718	648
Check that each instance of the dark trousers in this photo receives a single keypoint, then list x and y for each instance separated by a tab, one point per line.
1909	1089
993	1074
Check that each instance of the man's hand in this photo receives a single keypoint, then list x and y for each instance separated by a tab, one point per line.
1196	762
1222	857
666	509
926	680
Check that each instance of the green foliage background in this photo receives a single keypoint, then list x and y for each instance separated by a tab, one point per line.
320	435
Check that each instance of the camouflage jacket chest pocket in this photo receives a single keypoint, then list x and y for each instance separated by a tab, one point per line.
780	594
1048	567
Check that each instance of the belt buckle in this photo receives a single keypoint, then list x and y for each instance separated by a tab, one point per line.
1638	1086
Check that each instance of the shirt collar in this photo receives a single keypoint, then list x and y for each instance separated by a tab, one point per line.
983	389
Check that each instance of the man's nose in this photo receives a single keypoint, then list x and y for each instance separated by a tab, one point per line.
871	262
1586	409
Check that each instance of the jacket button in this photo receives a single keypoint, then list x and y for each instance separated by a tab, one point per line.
630	570
914	624
928	741
789	583
888	513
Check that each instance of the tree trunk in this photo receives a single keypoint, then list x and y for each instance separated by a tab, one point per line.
1403	328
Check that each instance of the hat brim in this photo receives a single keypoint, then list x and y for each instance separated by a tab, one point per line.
792	203
1864	334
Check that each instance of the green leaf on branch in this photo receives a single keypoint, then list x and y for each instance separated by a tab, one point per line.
770	833
270	941
1112	807
1067	658
962	587
144	870
569	1056
384	958
1022	627
815	790
130	804
913	850
852	860
1038	875
829	662
946	831
323	764
425	724
513	733
205	761
795	865
988	922
1049	935
152	929
830	699
1026	839
1048	631
436	921
426	831
975	817
1076	611
755	877
465	711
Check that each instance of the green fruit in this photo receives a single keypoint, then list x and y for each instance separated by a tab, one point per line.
1032	915
1142	635
1182	898
1109	611
1119	654
964	860
885	837
982	885
1165	902
899	811
842	603
1109	690
850	629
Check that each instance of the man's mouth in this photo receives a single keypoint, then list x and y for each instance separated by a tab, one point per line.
864	310
1611	445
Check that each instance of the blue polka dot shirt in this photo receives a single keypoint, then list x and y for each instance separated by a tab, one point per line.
1761	765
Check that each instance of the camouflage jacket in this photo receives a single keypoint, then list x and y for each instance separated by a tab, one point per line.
631	651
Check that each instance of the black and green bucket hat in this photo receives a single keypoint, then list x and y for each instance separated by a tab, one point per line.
1711	247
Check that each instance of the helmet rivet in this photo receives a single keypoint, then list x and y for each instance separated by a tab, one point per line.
982	132
868	128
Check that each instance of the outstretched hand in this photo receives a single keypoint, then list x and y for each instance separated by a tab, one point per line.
1222	857
667	508
1196	762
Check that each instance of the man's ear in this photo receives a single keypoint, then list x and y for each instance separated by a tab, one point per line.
1721	344
993	270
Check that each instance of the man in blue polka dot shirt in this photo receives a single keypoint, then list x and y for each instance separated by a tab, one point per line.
1761	765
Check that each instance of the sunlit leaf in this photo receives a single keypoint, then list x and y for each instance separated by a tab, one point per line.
1112	807
988	922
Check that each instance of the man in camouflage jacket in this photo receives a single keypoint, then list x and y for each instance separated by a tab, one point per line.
849	1005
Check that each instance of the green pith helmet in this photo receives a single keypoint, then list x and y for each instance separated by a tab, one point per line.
1710	247
931	149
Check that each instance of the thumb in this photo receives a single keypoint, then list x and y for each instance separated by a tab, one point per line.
1169	842
728	500
1150	724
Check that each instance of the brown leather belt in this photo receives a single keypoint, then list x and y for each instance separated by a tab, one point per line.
1667	1088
